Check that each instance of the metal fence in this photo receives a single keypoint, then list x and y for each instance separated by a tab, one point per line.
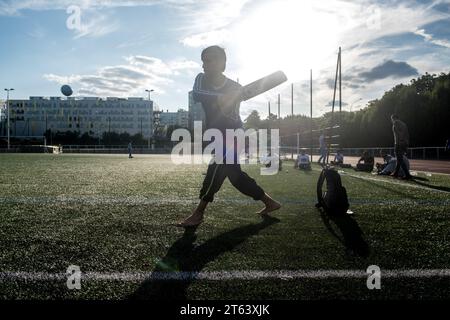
424	153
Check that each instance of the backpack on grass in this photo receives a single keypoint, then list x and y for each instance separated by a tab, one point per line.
331	195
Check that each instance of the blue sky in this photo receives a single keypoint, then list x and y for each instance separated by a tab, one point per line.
122	47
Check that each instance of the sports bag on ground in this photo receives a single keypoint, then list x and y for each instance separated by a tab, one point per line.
331	195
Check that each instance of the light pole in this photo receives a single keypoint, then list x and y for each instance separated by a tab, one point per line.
7	111
149	93
150	115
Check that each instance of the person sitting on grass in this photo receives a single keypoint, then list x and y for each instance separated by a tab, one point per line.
390	167
368	163
303	162
338	158
386	159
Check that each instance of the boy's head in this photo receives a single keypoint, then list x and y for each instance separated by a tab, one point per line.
214	60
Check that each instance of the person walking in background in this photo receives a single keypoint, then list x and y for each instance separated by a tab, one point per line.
401	143
130	149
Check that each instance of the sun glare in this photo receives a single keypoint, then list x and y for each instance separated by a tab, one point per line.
289	35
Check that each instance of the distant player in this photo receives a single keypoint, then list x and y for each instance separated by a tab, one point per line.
401	142
130	150
220	98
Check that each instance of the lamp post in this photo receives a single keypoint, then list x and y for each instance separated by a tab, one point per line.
7	111
150	119
149	93
109	130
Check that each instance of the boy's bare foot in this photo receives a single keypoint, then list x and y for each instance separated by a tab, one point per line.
193	220
271	205
269	208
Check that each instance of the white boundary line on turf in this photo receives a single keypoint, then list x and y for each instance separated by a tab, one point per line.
388	182
397	183
226	275
102	200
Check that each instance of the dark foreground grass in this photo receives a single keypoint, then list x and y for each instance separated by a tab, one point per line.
108	213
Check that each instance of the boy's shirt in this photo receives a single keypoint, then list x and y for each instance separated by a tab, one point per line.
207	95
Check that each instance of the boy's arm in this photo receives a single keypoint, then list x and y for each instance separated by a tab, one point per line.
225	101
228	101
201	95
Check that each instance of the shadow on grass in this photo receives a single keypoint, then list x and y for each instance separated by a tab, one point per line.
183	256
351	235
391	191
417	181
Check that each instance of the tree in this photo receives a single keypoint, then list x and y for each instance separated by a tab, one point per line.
253	120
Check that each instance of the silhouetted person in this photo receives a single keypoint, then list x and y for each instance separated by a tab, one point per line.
220	98
401	142
367	162
130	150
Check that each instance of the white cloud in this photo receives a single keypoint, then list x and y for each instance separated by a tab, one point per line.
97	26
428	37
207	38
14	7
38	32
130	79
295	35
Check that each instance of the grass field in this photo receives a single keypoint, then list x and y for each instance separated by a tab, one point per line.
111	216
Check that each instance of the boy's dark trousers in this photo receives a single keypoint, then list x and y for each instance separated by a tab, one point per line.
216	174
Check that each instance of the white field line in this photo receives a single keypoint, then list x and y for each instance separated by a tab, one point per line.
225	275
138	200
388	182
397	183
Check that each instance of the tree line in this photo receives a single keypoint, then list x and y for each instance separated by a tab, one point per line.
423	104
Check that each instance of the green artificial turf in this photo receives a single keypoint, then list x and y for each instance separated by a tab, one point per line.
108	213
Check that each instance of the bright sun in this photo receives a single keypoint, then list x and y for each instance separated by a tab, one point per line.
288	35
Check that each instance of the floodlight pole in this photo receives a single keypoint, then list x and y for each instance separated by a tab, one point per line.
311	113
292	109
150	114
7	112
292	99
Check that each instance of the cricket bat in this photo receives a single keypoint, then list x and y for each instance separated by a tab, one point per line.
264	84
